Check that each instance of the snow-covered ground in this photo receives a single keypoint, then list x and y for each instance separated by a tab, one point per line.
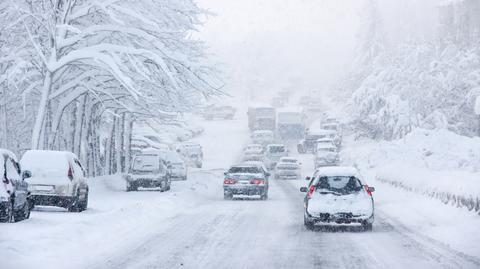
193	227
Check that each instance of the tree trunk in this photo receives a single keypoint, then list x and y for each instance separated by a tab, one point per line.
80	117
128	141
42	107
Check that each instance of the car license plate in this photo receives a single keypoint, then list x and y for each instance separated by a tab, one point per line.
44	188
244	182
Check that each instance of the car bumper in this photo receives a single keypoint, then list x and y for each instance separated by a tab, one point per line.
280	176
147	182
245	190
52	200
340	218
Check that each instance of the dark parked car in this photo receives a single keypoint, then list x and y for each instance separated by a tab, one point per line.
148	170
249	178
15	203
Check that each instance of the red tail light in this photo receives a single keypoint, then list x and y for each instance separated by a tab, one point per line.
310	191
367	190
229	181
257	181
70	173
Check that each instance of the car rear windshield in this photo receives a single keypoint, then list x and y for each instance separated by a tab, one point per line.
339	184
277	149
244	169
287	167
146	163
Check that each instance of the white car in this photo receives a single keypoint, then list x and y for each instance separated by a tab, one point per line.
191	153
263	137
322	142
177	168
57	179
337	195
253	152
287	169
326	155
273	153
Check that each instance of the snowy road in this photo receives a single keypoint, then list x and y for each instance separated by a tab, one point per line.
193	227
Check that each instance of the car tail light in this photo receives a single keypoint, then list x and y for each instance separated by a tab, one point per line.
368	190
229	181
70	173
257	181
310	191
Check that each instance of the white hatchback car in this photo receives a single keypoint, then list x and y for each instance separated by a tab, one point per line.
57	179
337	195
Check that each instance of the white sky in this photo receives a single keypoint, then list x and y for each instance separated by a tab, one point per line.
265	43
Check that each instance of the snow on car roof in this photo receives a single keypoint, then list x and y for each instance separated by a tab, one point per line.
338	171
288	159
251	163
254	146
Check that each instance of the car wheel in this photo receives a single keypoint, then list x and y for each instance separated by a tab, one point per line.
308	223
23	213
199	165
82	206
9	216
264	196
367	227
74	206
227	196
163	185
184	178
131	186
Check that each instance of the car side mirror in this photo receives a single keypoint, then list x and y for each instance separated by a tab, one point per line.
303	189
225	173
371	189
267	174
308	178
26	174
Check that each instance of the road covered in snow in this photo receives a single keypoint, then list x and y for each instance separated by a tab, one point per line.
193	227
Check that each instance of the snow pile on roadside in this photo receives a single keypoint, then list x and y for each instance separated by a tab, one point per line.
437	163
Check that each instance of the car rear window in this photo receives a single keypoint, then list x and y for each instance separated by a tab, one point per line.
146	163
244	169
277	149
339	184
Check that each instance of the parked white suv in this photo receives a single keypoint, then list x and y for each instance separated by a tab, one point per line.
57	179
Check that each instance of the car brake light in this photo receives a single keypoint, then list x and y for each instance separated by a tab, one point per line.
310	191
229	181
367	190
70	173
257	181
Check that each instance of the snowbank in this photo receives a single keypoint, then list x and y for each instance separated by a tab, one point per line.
436	163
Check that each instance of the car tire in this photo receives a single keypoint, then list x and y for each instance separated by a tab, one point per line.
74	206
184	178
199	165
131	187
83	205
264	196
227	196
308	223
9	216
163	186
367	227
23	213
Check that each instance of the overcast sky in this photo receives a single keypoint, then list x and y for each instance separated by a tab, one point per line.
264	44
